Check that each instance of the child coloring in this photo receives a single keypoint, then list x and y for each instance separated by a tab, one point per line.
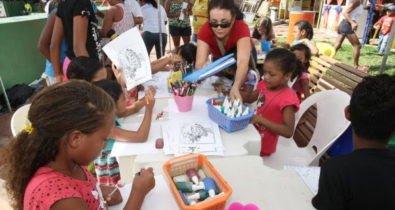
276	102
70	124
301	85
106	167
263	31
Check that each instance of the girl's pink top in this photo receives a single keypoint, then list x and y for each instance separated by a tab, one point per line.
297	85
48	186
270	105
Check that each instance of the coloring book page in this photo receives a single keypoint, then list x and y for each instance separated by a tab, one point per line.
192	136
128	52
159	82
309	174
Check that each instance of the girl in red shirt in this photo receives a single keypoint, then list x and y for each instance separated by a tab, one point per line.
276	102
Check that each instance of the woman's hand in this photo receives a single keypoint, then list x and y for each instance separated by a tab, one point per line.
235	94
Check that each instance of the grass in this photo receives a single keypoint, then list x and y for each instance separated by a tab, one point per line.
368	57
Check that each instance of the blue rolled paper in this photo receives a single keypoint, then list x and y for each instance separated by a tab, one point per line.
213	68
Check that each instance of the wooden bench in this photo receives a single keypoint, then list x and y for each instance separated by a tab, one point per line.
325	74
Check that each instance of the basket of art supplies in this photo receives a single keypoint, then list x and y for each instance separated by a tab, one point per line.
183	94
195	183
229	116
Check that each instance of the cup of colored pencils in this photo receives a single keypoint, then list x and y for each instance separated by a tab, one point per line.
183	94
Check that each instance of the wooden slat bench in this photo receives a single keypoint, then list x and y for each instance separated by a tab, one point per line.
325	73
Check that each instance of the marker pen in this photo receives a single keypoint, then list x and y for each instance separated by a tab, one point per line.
188	186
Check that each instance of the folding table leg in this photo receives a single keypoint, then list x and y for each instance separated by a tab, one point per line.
5	95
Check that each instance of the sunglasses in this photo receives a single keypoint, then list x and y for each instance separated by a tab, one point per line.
222	25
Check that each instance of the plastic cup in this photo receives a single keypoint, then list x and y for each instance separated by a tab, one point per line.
265	46
184	103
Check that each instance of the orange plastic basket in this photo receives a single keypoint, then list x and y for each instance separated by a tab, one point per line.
179	165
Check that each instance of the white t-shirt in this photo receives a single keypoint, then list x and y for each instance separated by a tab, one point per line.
134	7
150	15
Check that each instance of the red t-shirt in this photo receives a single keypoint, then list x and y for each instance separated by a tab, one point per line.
270	105
49	186
239	30
386	24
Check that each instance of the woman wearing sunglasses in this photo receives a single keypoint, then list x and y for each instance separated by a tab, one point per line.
225	29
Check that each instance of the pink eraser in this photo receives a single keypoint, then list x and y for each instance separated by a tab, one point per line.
159	143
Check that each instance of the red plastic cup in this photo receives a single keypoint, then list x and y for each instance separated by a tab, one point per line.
184	103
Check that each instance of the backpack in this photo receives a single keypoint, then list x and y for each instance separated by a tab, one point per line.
17	95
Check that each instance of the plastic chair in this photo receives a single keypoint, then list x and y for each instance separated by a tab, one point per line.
331	123
326	49
19	119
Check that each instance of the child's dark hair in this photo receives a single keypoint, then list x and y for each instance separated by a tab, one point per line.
111	87
84	68
153	2
372	108
54	113
307	54
188	52
263	23
307	27
286	61
227	5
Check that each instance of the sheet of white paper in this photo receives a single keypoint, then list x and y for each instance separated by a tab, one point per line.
309	174
160	197
159	82
147	147
191	136
208	82
129	53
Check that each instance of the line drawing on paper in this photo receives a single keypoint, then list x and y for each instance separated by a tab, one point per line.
195	133
131	61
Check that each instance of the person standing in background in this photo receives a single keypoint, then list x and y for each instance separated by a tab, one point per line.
151	30
347	28
77	23
200	16
136	11
179	23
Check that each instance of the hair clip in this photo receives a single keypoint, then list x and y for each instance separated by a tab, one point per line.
29	129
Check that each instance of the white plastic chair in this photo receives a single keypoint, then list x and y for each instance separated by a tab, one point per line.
331	123
19	119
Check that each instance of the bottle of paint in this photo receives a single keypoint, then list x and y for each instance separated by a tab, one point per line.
181	178
188	186
201	195
209	185
193	175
